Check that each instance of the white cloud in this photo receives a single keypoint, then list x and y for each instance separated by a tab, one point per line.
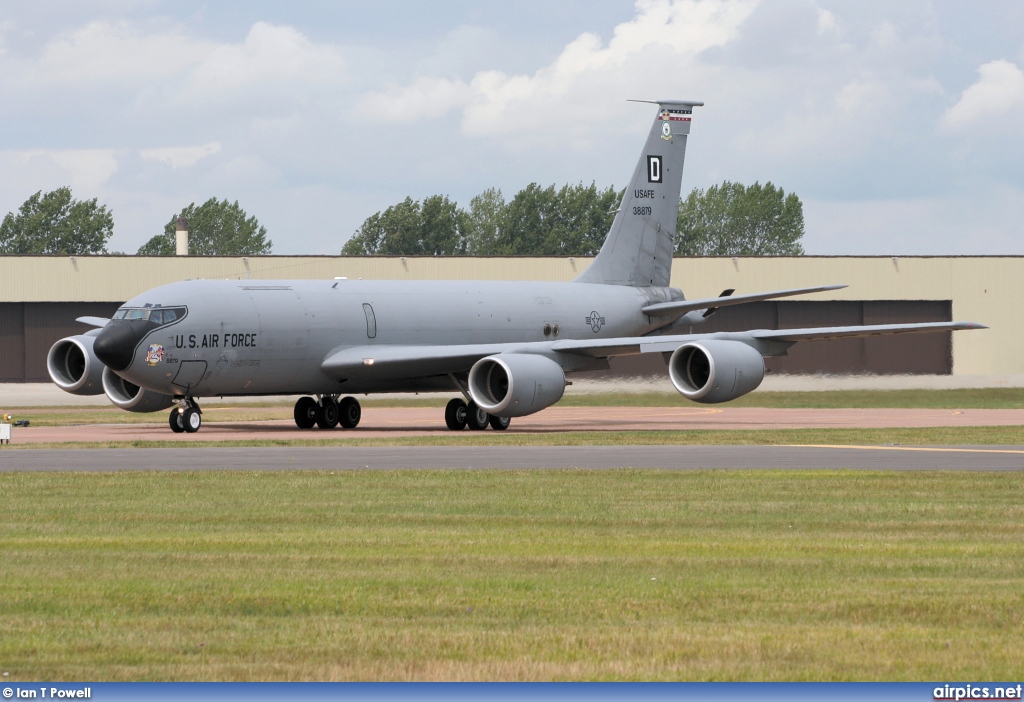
269	58
86	170
167	67
106	53
180	156
999	88
646	53
826	22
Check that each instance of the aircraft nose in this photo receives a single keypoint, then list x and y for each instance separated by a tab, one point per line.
115	345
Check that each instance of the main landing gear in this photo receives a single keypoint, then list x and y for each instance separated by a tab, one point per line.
327	413
458	415
186	417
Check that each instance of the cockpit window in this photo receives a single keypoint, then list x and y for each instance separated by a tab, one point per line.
159	315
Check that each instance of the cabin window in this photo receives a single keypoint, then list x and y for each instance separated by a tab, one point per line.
158	315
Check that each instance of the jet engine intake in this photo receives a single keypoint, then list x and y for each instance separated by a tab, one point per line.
73	366
716	370
129	396
515	384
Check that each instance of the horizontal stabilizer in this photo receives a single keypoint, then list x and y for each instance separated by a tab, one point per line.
93	321
867	330
672	309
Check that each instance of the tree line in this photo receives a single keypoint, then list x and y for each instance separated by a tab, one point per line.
730	219
56	223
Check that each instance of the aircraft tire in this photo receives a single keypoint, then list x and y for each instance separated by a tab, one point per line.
327	413
455	414
175	420
305	413
476	418
192	420
499	423
351	413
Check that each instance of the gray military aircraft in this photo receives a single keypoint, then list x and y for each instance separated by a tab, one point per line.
507	347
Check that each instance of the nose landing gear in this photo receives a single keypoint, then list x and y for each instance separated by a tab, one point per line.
186	417
327	413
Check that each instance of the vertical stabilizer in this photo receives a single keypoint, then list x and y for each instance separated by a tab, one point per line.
639	246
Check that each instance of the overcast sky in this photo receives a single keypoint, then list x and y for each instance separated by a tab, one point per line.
899	124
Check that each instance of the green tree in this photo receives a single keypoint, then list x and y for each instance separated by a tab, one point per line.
486	222
435	227
572	221
586	214
736	220
529	218
56	223
215	228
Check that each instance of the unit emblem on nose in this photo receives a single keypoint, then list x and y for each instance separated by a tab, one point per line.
595	321
154	354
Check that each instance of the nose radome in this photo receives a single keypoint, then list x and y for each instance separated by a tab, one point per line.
115	345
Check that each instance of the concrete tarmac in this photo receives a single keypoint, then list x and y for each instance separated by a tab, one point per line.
958	458
384	422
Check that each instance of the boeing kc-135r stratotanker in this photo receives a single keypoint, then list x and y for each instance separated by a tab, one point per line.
505	346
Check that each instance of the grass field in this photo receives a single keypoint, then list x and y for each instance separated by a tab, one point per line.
926	436
512	575
977	398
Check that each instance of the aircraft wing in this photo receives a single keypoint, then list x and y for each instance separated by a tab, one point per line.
93	321
671	309
814	334
660	344
413	361
416	361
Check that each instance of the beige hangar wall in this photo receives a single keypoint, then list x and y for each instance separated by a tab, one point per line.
988	290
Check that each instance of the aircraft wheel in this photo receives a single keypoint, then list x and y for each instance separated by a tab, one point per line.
351	412
327	413
476	418
176	421
305	413
192	420
499	423
456	413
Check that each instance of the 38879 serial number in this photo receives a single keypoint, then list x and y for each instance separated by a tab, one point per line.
642	211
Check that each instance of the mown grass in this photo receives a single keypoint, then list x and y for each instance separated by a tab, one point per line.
974	398
925	436
530	575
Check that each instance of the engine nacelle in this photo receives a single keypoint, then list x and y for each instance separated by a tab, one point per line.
73	366
515	384
129	396
716	370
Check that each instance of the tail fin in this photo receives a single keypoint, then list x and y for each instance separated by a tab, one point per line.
639	246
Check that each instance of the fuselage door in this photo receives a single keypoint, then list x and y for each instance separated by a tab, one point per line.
190	374
284	322
371	321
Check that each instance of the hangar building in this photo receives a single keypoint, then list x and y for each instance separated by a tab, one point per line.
41	296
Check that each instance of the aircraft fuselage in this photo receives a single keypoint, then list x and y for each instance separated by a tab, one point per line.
255	337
